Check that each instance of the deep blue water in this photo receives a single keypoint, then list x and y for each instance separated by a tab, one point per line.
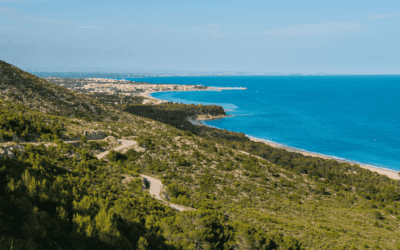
352	117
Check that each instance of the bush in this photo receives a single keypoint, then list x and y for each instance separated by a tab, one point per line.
46	137
145	142
58	141
181	162
375	224
7	136
229	191
377	215
115	156
83	139
132	155
95	145
175	191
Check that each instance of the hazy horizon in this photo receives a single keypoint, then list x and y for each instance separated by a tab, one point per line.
132	74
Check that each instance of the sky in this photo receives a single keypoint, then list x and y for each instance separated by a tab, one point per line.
295	37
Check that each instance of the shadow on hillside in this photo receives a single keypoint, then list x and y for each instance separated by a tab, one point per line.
177	115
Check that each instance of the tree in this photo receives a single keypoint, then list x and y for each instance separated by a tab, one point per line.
207	182
83	139
142	244
115	156
377	215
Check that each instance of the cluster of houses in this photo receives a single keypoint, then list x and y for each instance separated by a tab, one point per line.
121	87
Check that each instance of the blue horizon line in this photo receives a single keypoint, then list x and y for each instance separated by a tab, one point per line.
205	74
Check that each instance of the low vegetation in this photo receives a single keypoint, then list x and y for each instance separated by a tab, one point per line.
245	194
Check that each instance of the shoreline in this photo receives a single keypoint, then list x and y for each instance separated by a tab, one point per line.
148	95
383	171
392	174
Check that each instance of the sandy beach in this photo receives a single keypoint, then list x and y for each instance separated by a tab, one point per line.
148	96
148	93
391	174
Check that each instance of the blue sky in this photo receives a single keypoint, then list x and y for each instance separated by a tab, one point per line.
335	37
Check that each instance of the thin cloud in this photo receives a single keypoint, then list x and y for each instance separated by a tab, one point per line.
21	1
207	28
18	15
210	30
88	27
309	29
382	16
130	50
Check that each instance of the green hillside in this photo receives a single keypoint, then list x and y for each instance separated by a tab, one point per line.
20	87
245	195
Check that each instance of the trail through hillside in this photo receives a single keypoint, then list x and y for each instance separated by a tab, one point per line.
124	144
155	190
155	184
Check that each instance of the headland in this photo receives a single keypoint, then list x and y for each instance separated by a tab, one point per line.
126	89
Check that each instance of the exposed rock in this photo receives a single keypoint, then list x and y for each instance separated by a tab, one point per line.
111	140
208	117
6	150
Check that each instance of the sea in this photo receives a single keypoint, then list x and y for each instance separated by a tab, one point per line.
352	118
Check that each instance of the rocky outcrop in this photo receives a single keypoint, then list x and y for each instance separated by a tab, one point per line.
111	140
209	117
7	150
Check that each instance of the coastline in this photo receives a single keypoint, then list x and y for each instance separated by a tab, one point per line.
148	95
199	121
389	173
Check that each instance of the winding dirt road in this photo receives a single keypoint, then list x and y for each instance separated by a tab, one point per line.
155	184
155	190
124	144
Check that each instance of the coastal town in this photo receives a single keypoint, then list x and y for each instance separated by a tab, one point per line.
125	89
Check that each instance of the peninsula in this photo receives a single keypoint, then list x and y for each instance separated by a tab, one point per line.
125	89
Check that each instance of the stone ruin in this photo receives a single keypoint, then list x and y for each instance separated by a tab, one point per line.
94	135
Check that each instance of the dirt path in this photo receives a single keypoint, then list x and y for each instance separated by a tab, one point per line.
258	157
155	190
155	184
155	187
124	144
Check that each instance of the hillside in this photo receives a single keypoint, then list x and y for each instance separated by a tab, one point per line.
20	87
55	194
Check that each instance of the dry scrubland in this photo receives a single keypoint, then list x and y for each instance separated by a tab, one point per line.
244	194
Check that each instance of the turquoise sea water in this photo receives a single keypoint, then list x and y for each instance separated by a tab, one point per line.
356	118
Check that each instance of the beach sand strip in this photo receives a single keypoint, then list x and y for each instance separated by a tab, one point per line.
391	174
